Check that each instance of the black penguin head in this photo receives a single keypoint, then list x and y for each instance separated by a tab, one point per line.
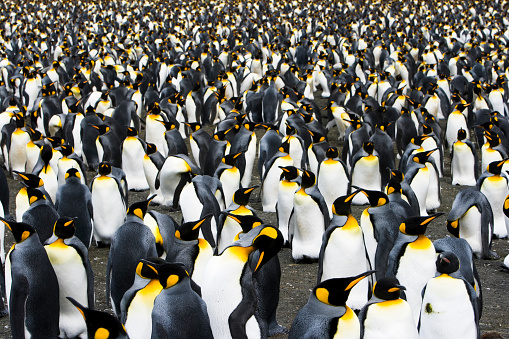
35	135
268	240
495	167
308	179
461	106
375	198
246	222
100	324
289	173
397	175
221	135
131	132
150	148
462	134
30	180
447	262
104	168
149	268
290	130
231	158
285	147
417	225
171	274
388	288
332	153
55	142
419	140
72	173
46	153
20	120
492	138
64	228
368	147
317	137
342	205
422	157
140	208
103	129
66	150
335	291
21	231
34	195
426	129
190	230
241	196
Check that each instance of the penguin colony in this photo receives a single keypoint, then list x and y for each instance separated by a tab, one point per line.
181	100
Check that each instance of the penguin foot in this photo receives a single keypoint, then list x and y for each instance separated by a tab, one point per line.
493	256
278	329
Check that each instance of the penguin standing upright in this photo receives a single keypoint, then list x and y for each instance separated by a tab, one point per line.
471	218
14	145
41	214
449	303
343	253
326	313
69	160
46	172
464	160
31	285
493	184
133	153
365	171
271	175
230	176
69	258
386	315
232	308
74	200
199	140
413	249
333	178
131	242
380	228
108	204
175	303
309	220
22	202
288	185
153	160
245	141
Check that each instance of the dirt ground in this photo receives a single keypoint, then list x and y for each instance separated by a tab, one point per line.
297	280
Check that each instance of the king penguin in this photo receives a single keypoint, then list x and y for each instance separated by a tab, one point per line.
289	183
343	253
366	171
326	313
108	204
464	160
232	308
333	178
153	160
131	242
133	153
69	258
31	285
387	315
175	303
41	214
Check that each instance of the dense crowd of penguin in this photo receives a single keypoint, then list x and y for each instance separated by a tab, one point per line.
166	97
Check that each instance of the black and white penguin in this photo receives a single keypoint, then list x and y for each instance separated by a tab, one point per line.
366	171
133	154
289	183
464	160
333	178
152	163
387	315
326	313
41	214
69	258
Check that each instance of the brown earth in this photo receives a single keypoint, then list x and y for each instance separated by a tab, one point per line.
297	280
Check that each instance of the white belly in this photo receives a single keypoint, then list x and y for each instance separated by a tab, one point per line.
390	320
109	209
495	190
470	229
286	191
366	174
332	182
150	170
138	324
462	166
132	164
309	228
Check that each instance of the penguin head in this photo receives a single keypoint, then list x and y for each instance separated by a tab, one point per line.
419	140
368	147
20	120
35	135
100	324
34	195
492	138
285	147
231	158
426	129
246	222
149	268
131	132
267	239
194	126
462	134
221	135
308	179
316	137
335	291
64	228
66	150
289	173
495	167
397	175
150	148
422	157
104	168
342	205
140	208
388	288
170	274
30	180
21	231
416	225
190	230
103	129
332	153
393	186
241	196
447	262
375	198
72	173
